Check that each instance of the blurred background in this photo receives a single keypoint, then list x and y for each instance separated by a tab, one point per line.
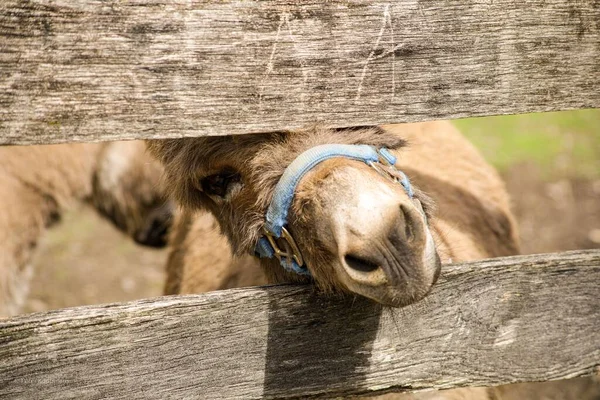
550	163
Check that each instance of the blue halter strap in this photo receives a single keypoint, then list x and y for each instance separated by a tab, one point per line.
276	218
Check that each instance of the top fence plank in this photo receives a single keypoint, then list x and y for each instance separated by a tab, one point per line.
100	70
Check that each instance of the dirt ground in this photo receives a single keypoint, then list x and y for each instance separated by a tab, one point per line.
86	261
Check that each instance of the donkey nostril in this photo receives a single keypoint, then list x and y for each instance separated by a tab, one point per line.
360	264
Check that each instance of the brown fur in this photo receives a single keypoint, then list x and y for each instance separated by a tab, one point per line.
38	183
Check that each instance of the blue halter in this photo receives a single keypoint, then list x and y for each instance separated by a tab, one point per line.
276	217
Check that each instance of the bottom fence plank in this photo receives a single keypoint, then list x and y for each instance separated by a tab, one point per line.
505	320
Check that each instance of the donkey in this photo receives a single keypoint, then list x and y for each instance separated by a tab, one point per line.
38	183
336	207
468	218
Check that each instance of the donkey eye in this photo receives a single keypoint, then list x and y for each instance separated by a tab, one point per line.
220	184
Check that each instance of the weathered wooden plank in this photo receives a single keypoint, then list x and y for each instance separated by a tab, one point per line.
498	321
98	70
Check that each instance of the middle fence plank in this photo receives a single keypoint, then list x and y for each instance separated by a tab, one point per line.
89	70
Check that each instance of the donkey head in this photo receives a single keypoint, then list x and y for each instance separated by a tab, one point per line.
339	214
127	190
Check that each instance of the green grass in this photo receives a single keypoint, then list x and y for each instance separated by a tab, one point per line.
561	144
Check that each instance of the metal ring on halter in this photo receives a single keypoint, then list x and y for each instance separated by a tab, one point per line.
285	235
376	166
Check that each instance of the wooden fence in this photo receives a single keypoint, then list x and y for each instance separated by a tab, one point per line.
100	70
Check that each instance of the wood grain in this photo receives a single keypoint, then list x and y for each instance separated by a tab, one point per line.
528	318
91	70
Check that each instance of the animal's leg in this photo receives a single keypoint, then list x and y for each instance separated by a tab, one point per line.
14	285
177	246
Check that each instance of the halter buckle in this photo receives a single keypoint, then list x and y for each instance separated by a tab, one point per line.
285	235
